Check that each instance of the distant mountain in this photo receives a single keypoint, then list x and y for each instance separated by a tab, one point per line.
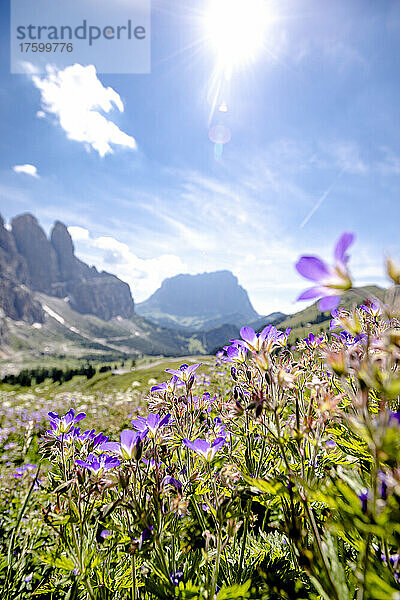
16	299
199	302
261	322
30	262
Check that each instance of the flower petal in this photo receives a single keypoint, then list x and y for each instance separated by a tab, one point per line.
110	447
128	438
79	417
248	334
313	292
312	267
343	243
328	303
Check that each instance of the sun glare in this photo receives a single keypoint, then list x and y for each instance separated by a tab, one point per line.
236	30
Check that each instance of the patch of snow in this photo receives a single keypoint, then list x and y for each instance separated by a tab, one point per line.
53	314
74	329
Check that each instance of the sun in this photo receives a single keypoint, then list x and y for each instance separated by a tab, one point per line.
236	30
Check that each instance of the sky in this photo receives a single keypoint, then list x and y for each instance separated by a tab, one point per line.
127	163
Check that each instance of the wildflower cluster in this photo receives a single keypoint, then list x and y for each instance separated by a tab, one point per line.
280	480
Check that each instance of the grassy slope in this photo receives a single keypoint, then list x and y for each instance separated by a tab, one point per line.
137	378
67	333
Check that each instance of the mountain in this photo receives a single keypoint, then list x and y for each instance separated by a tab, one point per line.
16	299
261	322
53	305
199	302
30	262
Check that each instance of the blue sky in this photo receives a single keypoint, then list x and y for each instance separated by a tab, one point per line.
314	150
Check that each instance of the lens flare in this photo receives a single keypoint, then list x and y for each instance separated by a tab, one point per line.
219	134
236	30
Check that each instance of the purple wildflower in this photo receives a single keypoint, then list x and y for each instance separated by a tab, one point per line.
282	337
383	488
168	480
145	535
60	425
363	496
184	372
19	472
336	320
151	423
264	340
105	533
204	448
176	577
168	386
372	308
394	418
394	559
98	464
90	436
129	446
348	339
331	281
312	341
235	353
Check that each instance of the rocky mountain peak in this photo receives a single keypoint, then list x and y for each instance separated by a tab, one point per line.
50	266
199	301
64	247
39	254
16	300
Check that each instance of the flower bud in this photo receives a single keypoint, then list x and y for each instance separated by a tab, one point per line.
238	408
263	360
336	361
137	455
393	271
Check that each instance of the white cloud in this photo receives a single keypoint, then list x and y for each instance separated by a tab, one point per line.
29	68
77	98
143	275
390	163
78	233
347	156
27	169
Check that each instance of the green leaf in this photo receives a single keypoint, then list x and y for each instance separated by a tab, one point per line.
235	592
